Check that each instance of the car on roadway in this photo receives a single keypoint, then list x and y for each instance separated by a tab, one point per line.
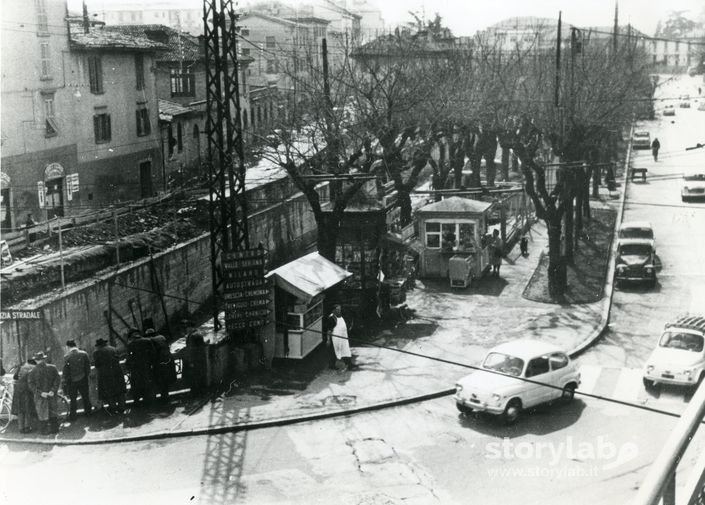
636	253
685	104
693	187
515	376
669	110
701	106
641	140
679	356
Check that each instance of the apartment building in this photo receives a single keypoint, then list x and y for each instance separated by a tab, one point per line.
79	115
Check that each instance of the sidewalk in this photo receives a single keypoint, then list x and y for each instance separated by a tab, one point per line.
457	325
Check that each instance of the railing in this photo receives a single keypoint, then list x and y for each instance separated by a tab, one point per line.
660	482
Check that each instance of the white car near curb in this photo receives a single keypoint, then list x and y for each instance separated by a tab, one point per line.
497	388
679	357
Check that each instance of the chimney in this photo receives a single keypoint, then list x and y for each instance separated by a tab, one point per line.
86	23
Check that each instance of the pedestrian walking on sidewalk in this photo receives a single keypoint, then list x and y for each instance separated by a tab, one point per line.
496	252
77	367
163	367
23	398
44	381
339	338
655	146
139	363
111	381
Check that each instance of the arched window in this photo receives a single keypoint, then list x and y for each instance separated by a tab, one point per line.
196	132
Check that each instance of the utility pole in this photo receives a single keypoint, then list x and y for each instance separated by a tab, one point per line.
615	30
237	271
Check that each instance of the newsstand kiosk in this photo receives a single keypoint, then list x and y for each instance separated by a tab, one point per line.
299	293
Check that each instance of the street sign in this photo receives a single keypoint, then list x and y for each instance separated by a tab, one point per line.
245	290
41	195
20	315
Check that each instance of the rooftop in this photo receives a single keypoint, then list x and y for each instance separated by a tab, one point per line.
101	37
179	45
167	110
457	204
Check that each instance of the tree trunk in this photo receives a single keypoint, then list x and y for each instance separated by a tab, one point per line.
491	169
404	199
327	234
579	204
569	230
505	163
556	266
596	181
475	164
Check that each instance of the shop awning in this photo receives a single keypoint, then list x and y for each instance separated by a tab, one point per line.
308	276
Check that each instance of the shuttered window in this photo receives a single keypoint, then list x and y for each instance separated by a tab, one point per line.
101	128
95	74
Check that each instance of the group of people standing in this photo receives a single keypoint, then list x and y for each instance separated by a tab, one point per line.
37	382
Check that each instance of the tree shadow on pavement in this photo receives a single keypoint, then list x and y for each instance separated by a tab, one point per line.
540	420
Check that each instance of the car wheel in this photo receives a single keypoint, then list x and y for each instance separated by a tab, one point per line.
649	384
568	394
512	411
463	409
700	381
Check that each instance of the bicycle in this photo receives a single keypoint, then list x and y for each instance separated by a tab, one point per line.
5	407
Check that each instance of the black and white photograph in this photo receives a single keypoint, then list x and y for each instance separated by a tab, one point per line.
352	252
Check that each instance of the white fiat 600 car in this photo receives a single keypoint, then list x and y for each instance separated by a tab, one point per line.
679	357
498	388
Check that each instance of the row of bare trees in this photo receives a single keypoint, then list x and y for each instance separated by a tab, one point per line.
407	104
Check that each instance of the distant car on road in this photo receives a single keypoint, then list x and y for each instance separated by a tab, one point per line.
701	106
669	110
498	387
679	357
684	104
641	140
693	187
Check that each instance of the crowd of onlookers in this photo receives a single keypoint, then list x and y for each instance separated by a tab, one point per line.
150	368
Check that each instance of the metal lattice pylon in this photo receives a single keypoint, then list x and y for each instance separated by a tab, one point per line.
226	168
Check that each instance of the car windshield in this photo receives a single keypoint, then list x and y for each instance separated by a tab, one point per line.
634	250
681	340
504	363
695	177
646	233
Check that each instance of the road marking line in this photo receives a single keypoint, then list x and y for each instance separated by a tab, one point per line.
628	385
589	374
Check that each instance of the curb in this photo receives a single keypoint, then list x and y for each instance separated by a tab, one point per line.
247	426
609	283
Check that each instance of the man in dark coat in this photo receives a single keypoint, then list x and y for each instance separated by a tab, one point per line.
77	367
44	381
163	367
23	398
111	381
139	363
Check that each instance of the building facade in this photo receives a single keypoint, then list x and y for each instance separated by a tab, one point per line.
79	115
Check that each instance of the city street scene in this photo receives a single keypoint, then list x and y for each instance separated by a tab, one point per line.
362	252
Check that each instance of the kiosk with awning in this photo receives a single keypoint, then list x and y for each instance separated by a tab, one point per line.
299	293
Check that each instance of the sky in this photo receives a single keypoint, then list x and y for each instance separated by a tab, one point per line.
465	17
